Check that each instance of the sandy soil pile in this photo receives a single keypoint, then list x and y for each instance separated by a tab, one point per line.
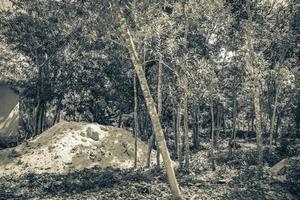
72	146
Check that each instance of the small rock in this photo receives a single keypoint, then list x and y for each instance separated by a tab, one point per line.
92	134
95	136
89	132
82	134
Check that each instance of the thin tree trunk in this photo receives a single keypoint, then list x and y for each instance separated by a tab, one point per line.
256	89
185	88
277	127
39	107
273	120
179	146
212	136
174	123
258	128
120	120
151	141
173	116
235	124
56	118
196	132
218	126
233	133
159	104
186	137
136	125
252	119
126	34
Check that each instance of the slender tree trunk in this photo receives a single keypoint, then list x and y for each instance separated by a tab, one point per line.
174	124
120	120
56	118
126	35
149	149
186	137
136	125
173	116
39	113
174	128
224	123
233	133
135	110
258	128
213	166
159	103
256	89
185	88
235	123
273	120
39	107
218	126
179	149
252	119
277	127
196	130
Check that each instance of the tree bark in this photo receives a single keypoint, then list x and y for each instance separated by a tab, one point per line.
213	166
234	122
56	118
174	125
273	120
185	88
277	127
179	144
185	127
149	149
159	104
136	125
40	97
120	120
256	88
196	129
258	128
126	35
178	134
218	126
233	133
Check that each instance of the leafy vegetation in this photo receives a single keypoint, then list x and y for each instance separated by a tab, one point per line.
214	85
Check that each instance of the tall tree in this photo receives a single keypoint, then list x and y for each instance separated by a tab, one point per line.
159	136
256	88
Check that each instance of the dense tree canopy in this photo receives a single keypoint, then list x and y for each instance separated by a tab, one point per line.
213	67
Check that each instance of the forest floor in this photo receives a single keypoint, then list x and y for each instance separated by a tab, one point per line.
234	178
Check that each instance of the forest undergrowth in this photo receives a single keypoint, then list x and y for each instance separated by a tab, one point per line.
234	178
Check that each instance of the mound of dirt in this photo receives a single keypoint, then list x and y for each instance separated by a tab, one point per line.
70	146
